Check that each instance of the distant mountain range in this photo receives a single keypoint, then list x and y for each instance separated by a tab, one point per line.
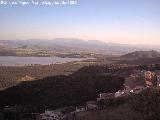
64	45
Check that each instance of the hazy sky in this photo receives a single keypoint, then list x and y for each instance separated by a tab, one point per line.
121	21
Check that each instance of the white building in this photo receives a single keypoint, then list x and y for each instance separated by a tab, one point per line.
104	96
80	109
58	114
91	105
51	115
119	93
137	89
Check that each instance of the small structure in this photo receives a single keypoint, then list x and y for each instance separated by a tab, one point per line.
58	114
104	96
80	109
137	89
51	115
129	91
91	105
119	93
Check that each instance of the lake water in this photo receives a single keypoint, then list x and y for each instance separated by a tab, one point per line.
21	61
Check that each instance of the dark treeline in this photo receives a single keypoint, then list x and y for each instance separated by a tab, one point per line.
60	91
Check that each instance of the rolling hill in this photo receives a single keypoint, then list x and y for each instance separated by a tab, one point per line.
140	57
142	54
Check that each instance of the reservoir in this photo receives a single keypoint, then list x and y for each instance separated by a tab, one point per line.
21	61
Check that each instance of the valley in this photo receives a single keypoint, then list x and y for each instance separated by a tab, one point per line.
35	88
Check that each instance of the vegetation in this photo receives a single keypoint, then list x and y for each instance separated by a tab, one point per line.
10	76
60	91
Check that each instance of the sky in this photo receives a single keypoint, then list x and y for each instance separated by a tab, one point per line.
117	21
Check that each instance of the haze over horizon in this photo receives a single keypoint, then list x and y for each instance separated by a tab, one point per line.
114	21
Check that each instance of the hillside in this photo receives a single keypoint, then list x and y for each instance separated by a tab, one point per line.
10	75
140	57
72	89
141	54
60	91
140	61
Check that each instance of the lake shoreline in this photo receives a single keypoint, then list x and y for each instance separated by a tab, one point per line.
33	61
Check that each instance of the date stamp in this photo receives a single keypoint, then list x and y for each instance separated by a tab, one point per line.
49	2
